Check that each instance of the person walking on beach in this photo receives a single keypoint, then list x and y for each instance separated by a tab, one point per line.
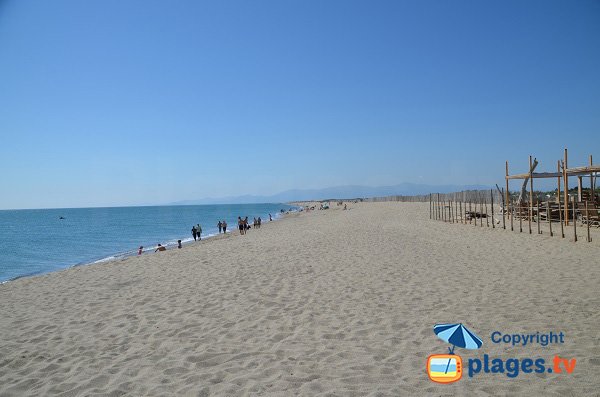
199	231
270	218
160	248
255	224
241	225
140	250
259	221
246	226
220	226
224	227
178	243
194	232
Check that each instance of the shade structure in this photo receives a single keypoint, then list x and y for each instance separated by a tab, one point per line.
457	335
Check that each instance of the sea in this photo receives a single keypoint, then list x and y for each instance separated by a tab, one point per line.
45	240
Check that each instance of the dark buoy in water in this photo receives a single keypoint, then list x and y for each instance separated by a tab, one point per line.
61	217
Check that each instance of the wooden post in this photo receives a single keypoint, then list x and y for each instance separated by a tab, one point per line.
558	182
462	216
444	209
574	221
538	219
492	201
504	212
587	221
566	182
438	206
480	212
592	187
560	217
470	212
455	211
530	210
429	205
520	222
549	217
579	188
487	220
507	194
512	216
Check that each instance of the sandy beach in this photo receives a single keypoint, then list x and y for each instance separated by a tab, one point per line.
328	303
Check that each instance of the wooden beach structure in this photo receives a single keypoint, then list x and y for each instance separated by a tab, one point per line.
563	210
563	172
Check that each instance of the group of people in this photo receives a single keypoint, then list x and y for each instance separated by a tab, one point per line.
222	225
197	232
243	225
159	247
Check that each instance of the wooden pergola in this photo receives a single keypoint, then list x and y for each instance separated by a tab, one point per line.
564	172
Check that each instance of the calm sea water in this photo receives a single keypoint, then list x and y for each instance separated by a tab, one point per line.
38	241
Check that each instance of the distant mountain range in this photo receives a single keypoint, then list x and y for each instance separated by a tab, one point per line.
338	192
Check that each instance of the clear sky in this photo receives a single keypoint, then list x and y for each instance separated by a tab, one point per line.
113	102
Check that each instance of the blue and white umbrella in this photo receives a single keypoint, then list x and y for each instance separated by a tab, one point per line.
457	335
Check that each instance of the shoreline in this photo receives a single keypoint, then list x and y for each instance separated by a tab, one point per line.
121	256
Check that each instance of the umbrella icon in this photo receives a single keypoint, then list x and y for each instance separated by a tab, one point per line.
457	335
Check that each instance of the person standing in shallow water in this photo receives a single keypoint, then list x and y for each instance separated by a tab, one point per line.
241	225
224	227
220	226
194	232
199	231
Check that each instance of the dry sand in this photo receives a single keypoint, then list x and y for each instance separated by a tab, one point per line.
325	303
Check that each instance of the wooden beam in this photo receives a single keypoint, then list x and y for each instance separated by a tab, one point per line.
504	213
592	183
530	211
536	175
560	217
558	182
549	217
507	194
587	219
574	221
575	171
566	192
492	205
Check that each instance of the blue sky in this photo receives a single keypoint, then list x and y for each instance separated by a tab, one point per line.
135	102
